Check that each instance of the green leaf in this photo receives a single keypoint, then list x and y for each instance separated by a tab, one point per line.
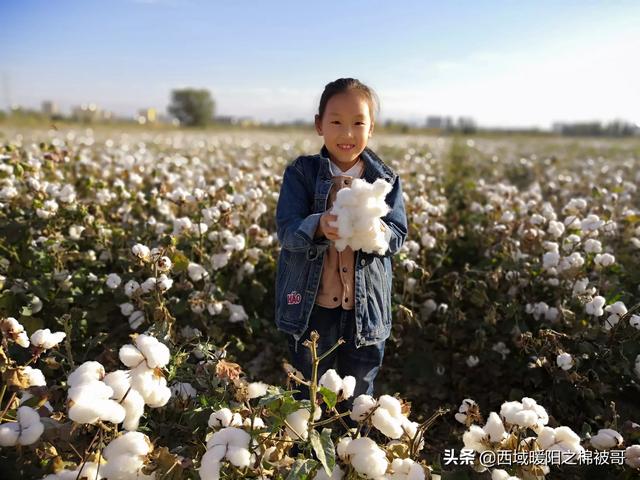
324	449
180	262
329	397
301	469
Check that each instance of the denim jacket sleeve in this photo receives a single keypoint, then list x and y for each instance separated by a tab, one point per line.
395	220
296	225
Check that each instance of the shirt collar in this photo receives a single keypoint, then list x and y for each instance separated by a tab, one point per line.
355	171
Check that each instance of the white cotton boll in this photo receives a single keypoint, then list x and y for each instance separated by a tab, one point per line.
130	356
392	405
606	439
159	396
494	428
131	287
9	434
164	283
83	412
474	438
156	354
617	308
592	245
367	458
136	319
256	389
331	380
362	406
238	456
111	411
113	280
386	423
220	260
141	251
348	386
594	307
550	260
472	361
45	339
498	474
210	466
258	423
34	376
461	415
215	308
632	456
93	389
565	361
196	272
336	474
128	444
634	321
298	421
148	285
124	467
224	418
85	373
237	313
604	259
406	469
126	309
183	390
341	448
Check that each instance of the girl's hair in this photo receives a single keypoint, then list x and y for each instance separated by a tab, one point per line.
342	85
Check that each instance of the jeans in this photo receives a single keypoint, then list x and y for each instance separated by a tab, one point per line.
362	363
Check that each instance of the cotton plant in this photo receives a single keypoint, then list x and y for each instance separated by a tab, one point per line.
13	330
359	209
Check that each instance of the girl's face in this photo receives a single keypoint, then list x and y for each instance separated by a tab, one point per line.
346	126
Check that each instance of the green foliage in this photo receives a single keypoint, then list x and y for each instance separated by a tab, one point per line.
192	107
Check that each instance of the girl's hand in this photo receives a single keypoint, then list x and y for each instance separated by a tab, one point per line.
324	227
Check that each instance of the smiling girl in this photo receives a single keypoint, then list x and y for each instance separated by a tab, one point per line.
339	294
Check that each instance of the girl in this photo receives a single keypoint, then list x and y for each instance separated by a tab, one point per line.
339	294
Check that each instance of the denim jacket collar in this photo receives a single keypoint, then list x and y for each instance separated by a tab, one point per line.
374	168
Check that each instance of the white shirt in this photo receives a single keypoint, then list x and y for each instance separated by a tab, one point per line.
355	171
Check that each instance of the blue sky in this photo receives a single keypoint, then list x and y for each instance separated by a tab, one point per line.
510	63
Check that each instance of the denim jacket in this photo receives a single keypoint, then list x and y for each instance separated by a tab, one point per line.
303	199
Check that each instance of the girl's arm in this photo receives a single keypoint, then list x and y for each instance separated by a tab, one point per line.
395	222
296	225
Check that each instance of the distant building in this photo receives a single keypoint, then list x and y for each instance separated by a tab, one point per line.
49	108
439	122
90	112
147	115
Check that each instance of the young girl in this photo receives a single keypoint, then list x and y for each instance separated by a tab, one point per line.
339	294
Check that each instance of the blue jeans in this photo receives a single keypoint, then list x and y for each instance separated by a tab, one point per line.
362	363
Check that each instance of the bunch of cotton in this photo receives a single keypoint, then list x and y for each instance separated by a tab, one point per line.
34	376
125	456
362	406
555	229
128	397
525	414
45	340
13	330
580	287
606	439
48	210
183	390
256	389
298	422
359	209
141	251
90	398
406	469
225	418
229	443
131	287
594	307
88	470
634	321
220	260
236	313
342	387
591	223
575	260
604	259
561	439
592	245
25	431
616	311
366	457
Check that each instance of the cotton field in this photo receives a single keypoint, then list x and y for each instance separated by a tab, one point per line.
137	293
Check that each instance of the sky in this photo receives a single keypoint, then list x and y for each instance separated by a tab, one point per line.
503	63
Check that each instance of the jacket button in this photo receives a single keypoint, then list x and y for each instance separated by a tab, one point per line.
346	299
362	262
344	269
335	299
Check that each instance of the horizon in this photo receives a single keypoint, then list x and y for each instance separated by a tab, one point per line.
503	64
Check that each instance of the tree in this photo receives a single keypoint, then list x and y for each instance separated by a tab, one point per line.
192	107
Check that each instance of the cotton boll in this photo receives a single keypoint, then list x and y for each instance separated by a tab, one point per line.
475	438
9	434
113	280
565	361
367	458
128	444
131	287
362	406
130	356
183	390
34	376
406	469
298	421
341	448
331	380
210	465
632	456
224	418
257	389
136	319
133	403
196	272
386	423
498	474
336	474
348	386
238	456
495	429
156	354
606	439
86	372
44	339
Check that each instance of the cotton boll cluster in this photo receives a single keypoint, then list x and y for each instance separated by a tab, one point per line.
406	469
13	330
225	418
44	339
113	280
364	455
561	439
482	438
126	457
616	310
183	390
129	398
385	413
632	456
525	414
468	412
256	390
90	399
231	444
196	272
606	439
594	307
145	359
26	430
359	209
342	387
